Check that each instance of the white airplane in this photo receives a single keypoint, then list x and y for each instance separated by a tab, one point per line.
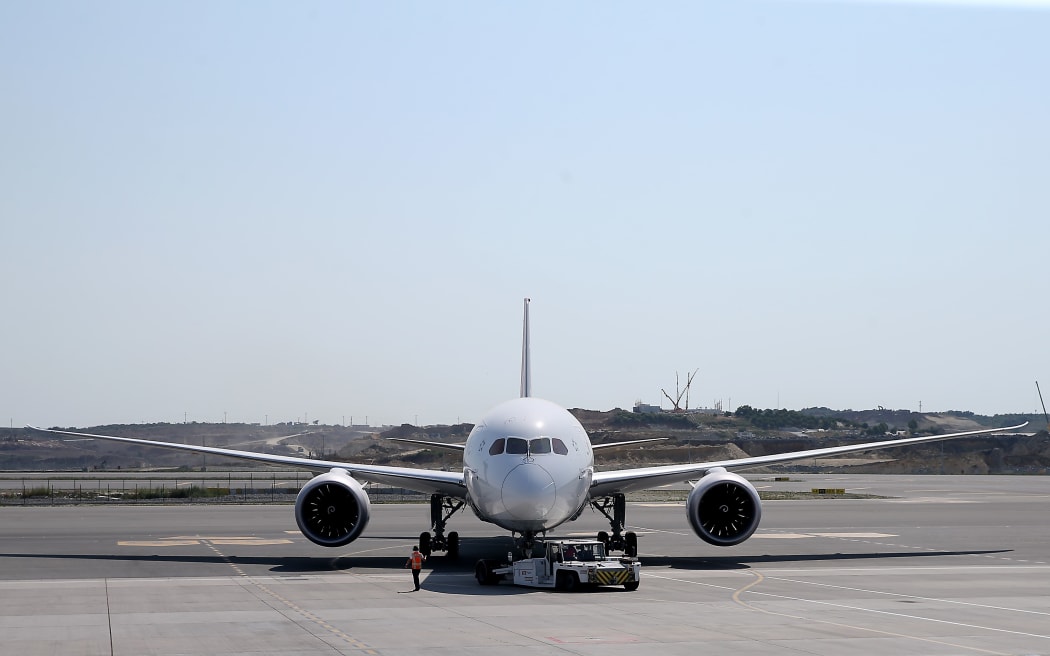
528	467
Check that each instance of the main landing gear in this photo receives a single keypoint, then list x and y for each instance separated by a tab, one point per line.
618	541
441	509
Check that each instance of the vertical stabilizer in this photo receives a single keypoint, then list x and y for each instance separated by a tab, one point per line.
526	358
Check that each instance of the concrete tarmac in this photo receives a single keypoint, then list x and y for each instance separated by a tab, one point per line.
948	565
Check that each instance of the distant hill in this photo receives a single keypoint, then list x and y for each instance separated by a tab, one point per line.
688	438
954	420
24	449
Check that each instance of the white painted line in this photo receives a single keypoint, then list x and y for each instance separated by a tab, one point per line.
660	504
908	596
857	535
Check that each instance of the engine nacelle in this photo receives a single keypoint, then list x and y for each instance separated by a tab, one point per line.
332	509
724	508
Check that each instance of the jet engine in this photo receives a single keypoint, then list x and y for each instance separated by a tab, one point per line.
723	508
332	509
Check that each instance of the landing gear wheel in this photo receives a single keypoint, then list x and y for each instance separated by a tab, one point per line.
630	586
441	509
614	507
424	544
452	553
603	537
630	544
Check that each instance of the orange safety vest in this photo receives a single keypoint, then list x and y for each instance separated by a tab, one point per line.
417	560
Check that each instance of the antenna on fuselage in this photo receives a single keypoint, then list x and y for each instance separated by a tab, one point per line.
526	358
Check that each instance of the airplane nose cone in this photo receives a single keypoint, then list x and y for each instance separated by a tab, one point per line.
529	492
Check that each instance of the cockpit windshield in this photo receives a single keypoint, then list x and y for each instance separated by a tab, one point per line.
517	446
536	446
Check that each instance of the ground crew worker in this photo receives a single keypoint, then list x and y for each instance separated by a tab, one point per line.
415	561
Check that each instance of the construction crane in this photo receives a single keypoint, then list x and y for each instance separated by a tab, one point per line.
677	401
1045	416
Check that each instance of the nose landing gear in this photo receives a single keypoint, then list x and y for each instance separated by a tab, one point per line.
526	543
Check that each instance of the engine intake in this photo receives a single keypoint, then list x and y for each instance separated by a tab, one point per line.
332	509
724	508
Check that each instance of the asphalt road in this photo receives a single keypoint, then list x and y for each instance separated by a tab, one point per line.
949	565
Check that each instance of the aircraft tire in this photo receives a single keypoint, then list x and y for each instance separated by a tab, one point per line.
452	553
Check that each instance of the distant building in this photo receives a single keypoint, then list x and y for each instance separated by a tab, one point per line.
646	409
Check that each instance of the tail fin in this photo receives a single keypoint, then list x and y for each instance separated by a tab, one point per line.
526	357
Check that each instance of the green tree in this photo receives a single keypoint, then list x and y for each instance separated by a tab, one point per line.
878	429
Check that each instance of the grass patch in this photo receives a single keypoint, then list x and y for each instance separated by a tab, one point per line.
780	496
191	492
669	496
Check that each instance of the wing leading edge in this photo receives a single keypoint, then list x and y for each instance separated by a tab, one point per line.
421	480
632	480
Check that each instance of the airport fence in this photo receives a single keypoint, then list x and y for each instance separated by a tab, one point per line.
228	487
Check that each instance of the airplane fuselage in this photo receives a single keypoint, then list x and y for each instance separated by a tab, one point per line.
528	465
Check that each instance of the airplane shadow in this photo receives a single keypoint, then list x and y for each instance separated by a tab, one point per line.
471	550
465	585
455	577
278	564
746	562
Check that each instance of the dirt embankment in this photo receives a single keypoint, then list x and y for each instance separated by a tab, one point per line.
707	439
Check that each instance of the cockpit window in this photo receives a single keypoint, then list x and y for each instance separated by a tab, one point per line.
517	446
539	445
521	446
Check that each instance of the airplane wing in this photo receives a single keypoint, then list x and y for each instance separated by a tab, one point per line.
613	445
631	480
421	480
440	445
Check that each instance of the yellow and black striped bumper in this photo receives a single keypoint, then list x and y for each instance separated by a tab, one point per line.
612	576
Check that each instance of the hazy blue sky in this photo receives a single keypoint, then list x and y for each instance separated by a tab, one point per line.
329	210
